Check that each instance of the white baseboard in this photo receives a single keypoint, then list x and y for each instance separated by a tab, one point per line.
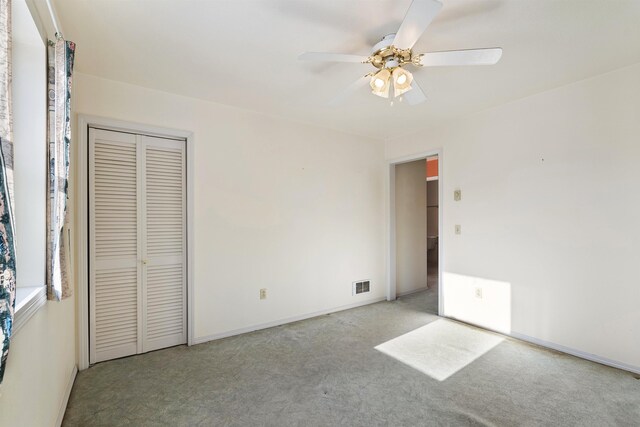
65	397
557	347
267	325
413	291
577	353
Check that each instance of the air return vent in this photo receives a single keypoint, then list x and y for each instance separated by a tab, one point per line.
361	287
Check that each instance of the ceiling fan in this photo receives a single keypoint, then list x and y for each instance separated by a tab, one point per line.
393	53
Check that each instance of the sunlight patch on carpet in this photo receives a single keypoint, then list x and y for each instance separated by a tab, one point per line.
441	348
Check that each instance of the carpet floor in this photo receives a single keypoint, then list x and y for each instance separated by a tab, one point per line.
361	367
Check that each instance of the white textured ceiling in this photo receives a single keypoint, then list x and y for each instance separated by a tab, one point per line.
244	52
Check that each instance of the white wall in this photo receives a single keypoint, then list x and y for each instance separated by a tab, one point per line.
411	227
550	210
296	209
42	355
41	361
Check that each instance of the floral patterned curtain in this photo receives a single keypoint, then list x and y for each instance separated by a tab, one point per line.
7	249
61	55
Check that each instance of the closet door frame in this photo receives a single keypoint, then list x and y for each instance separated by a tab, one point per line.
82	220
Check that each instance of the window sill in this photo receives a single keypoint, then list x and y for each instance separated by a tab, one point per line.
28	301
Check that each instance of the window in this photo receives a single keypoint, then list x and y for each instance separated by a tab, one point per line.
29	66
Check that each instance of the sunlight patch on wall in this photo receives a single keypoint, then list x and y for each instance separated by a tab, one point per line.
479	301
441	348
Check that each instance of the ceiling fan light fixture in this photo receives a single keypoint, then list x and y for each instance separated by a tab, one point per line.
381	82
401	81
395	51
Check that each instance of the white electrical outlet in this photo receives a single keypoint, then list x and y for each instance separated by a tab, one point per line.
458	229
263	293
479	293
457	195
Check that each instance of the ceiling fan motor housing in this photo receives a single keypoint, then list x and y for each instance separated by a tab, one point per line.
386	55
385	42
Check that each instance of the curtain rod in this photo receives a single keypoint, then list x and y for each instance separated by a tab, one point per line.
54	19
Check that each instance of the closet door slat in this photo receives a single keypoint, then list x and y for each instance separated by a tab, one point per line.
114	245
164	243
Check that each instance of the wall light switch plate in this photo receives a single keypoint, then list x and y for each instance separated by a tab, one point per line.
458	229
457	195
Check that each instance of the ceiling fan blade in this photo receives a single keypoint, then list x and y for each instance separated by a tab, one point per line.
488	56
415	96
349	90
332	57
416	21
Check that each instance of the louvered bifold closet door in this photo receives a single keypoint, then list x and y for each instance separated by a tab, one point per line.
164	248
114	246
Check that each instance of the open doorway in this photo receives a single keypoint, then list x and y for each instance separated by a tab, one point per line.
415	249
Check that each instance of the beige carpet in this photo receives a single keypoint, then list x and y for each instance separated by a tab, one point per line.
327	371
